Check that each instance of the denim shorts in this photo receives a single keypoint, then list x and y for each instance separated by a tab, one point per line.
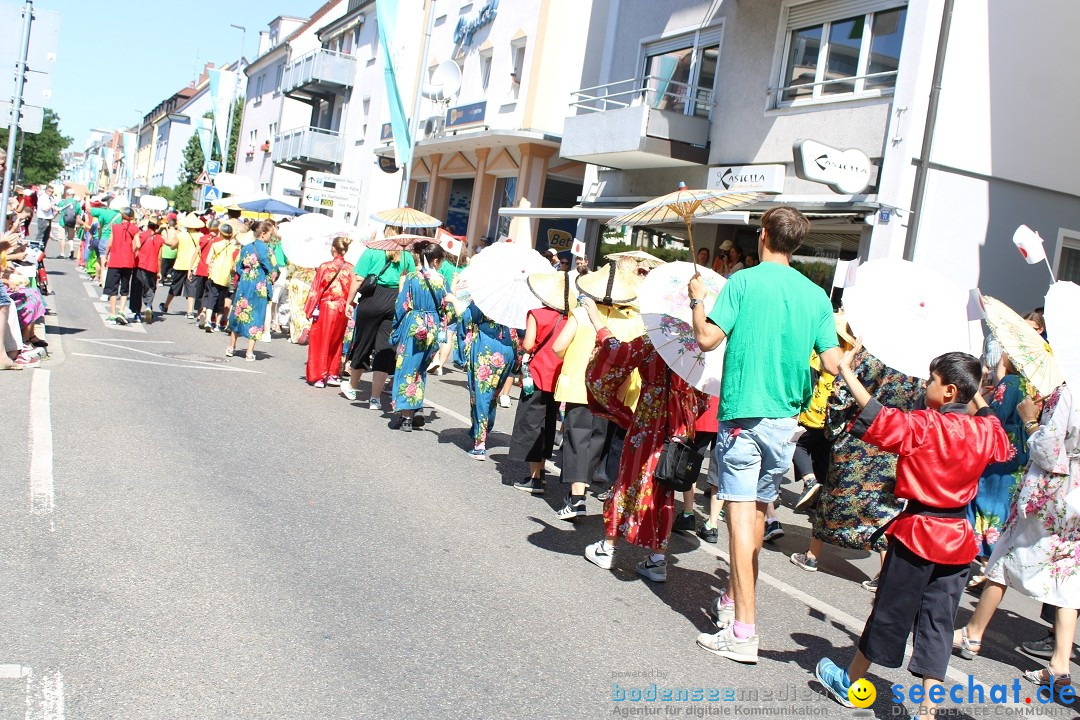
5	299
751	457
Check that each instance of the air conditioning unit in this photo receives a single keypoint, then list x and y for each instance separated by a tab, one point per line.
434	126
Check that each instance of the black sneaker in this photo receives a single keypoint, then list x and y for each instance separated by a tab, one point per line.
531	485
684	522
809	494
871	585
406	424
773	530
708	534
574	507
1043	649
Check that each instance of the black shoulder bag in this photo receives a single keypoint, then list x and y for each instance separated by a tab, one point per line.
679	463
367	286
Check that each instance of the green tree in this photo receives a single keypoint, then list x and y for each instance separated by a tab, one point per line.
183	195
164	191
41	161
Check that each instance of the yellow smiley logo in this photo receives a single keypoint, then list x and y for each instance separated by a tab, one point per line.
862	693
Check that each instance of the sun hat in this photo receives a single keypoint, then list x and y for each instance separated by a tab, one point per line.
842	328
552	252
190	222
610	286
726	245
554	290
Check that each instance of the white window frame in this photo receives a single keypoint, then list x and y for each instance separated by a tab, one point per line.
279	75
830	11
517	51
486	60
1066	239
695	38
259	89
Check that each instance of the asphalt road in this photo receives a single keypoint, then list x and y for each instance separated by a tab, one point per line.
216	539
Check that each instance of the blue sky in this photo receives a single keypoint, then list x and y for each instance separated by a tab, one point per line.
119	58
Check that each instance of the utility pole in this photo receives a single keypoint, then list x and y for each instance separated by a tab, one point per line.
16	102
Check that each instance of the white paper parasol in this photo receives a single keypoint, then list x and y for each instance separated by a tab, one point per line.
908	314
306	240
665	310
1063	330
497	279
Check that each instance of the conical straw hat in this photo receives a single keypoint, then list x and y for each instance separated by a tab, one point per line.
555	290
610	286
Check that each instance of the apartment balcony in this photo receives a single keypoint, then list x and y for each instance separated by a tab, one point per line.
317	75
647	122
308	148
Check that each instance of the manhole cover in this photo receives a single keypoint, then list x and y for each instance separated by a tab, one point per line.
194	357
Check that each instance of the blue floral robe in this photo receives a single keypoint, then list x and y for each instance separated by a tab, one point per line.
254	266
490	353
417	319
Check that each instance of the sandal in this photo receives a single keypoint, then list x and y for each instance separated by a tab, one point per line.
1045	676
229	352
250	357
969	649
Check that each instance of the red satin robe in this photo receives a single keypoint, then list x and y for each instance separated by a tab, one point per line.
942	454
328	295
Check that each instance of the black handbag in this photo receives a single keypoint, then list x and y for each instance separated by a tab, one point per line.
679	463
367	286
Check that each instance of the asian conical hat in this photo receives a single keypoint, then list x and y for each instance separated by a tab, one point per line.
190	222
610	286
554	289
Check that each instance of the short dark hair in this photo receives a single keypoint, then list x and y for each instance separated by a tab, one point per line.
785	229
430	251
960	369
152	224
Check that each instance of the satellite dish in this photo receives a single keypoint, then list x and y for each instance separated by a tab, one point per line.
444	83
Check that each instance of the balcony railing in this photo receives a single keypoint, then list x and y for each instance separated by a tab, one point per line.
652	90
321	71
308	147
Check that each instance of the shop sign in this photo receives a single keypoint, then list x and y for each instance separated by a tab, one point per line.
747	178
463	115
845	171
469	24
559	239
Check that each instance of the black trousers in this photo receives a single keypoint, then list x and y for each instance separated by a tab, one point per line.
534	427
583	442
214	300
918	597
812	454
118	281
176	281
611	454
143	287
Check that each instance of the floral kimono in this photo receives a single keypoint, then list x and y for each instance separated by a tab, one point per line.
327	306
997	486
640	509
1039	550
298	285
254	266
417	319
490	353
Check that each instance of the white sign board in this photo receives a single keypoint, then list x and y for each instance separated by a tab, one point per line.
331	183
747	178
44	37
32	120
333	192
845	171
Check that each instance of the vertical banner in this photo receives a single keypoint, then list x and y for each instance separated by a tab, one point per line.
131	147
386	13
205	131
95	172
222	94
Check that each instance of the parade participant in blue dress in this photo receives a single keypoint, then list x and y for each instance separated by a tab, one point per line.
490	353
421	305
255	265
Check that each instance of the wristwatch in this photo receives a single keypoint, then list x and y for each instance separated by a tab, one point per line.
694	302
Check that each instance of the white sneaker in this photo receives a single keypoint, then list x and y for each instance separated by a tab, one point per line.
725	644
724	614
504	401
655	571
600	554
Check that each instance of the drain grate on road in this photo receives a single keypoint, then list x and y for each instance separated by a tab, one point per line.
195	357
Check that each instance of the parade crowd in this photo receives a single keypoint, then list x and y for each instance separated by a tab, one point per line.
959	482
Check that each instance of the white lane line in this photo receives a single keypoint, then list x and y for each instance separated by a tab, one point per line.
102	309
448	411
125	340
42	491
91	291
165	364
109	343
45	696
850	622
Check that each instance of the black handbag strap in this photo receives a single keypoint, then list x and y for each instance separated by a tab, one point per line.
431	290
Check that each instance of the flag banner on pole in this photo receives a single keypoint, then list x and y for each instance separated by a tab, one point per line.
1030	244
578	248
131	147
452	244
205	132
386	13
222	89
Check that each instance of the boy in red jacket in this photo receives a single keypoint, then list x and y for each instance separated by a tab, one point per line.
943	451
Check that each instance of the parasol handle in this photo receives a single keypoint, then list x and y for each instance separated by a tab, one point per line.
690	235
1047	261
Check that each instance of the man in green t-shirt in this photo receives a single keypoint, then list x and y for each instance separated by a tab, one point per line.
772	316
68	211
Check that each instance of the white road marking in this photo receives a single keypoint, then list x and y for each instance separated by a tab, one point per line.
91	291
125	340
13	672
42	490
109	343
102	309
45	696
448	411
165	364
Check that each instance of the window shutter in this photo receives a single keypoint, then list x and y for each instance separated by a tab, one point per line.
816	12
706	37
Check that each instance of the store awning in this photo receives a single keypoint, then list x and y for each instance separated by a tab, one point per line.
606	213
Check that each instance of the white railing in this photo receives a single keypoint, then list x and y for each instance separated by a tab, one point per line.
319	66
652	90
309	143
857	83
